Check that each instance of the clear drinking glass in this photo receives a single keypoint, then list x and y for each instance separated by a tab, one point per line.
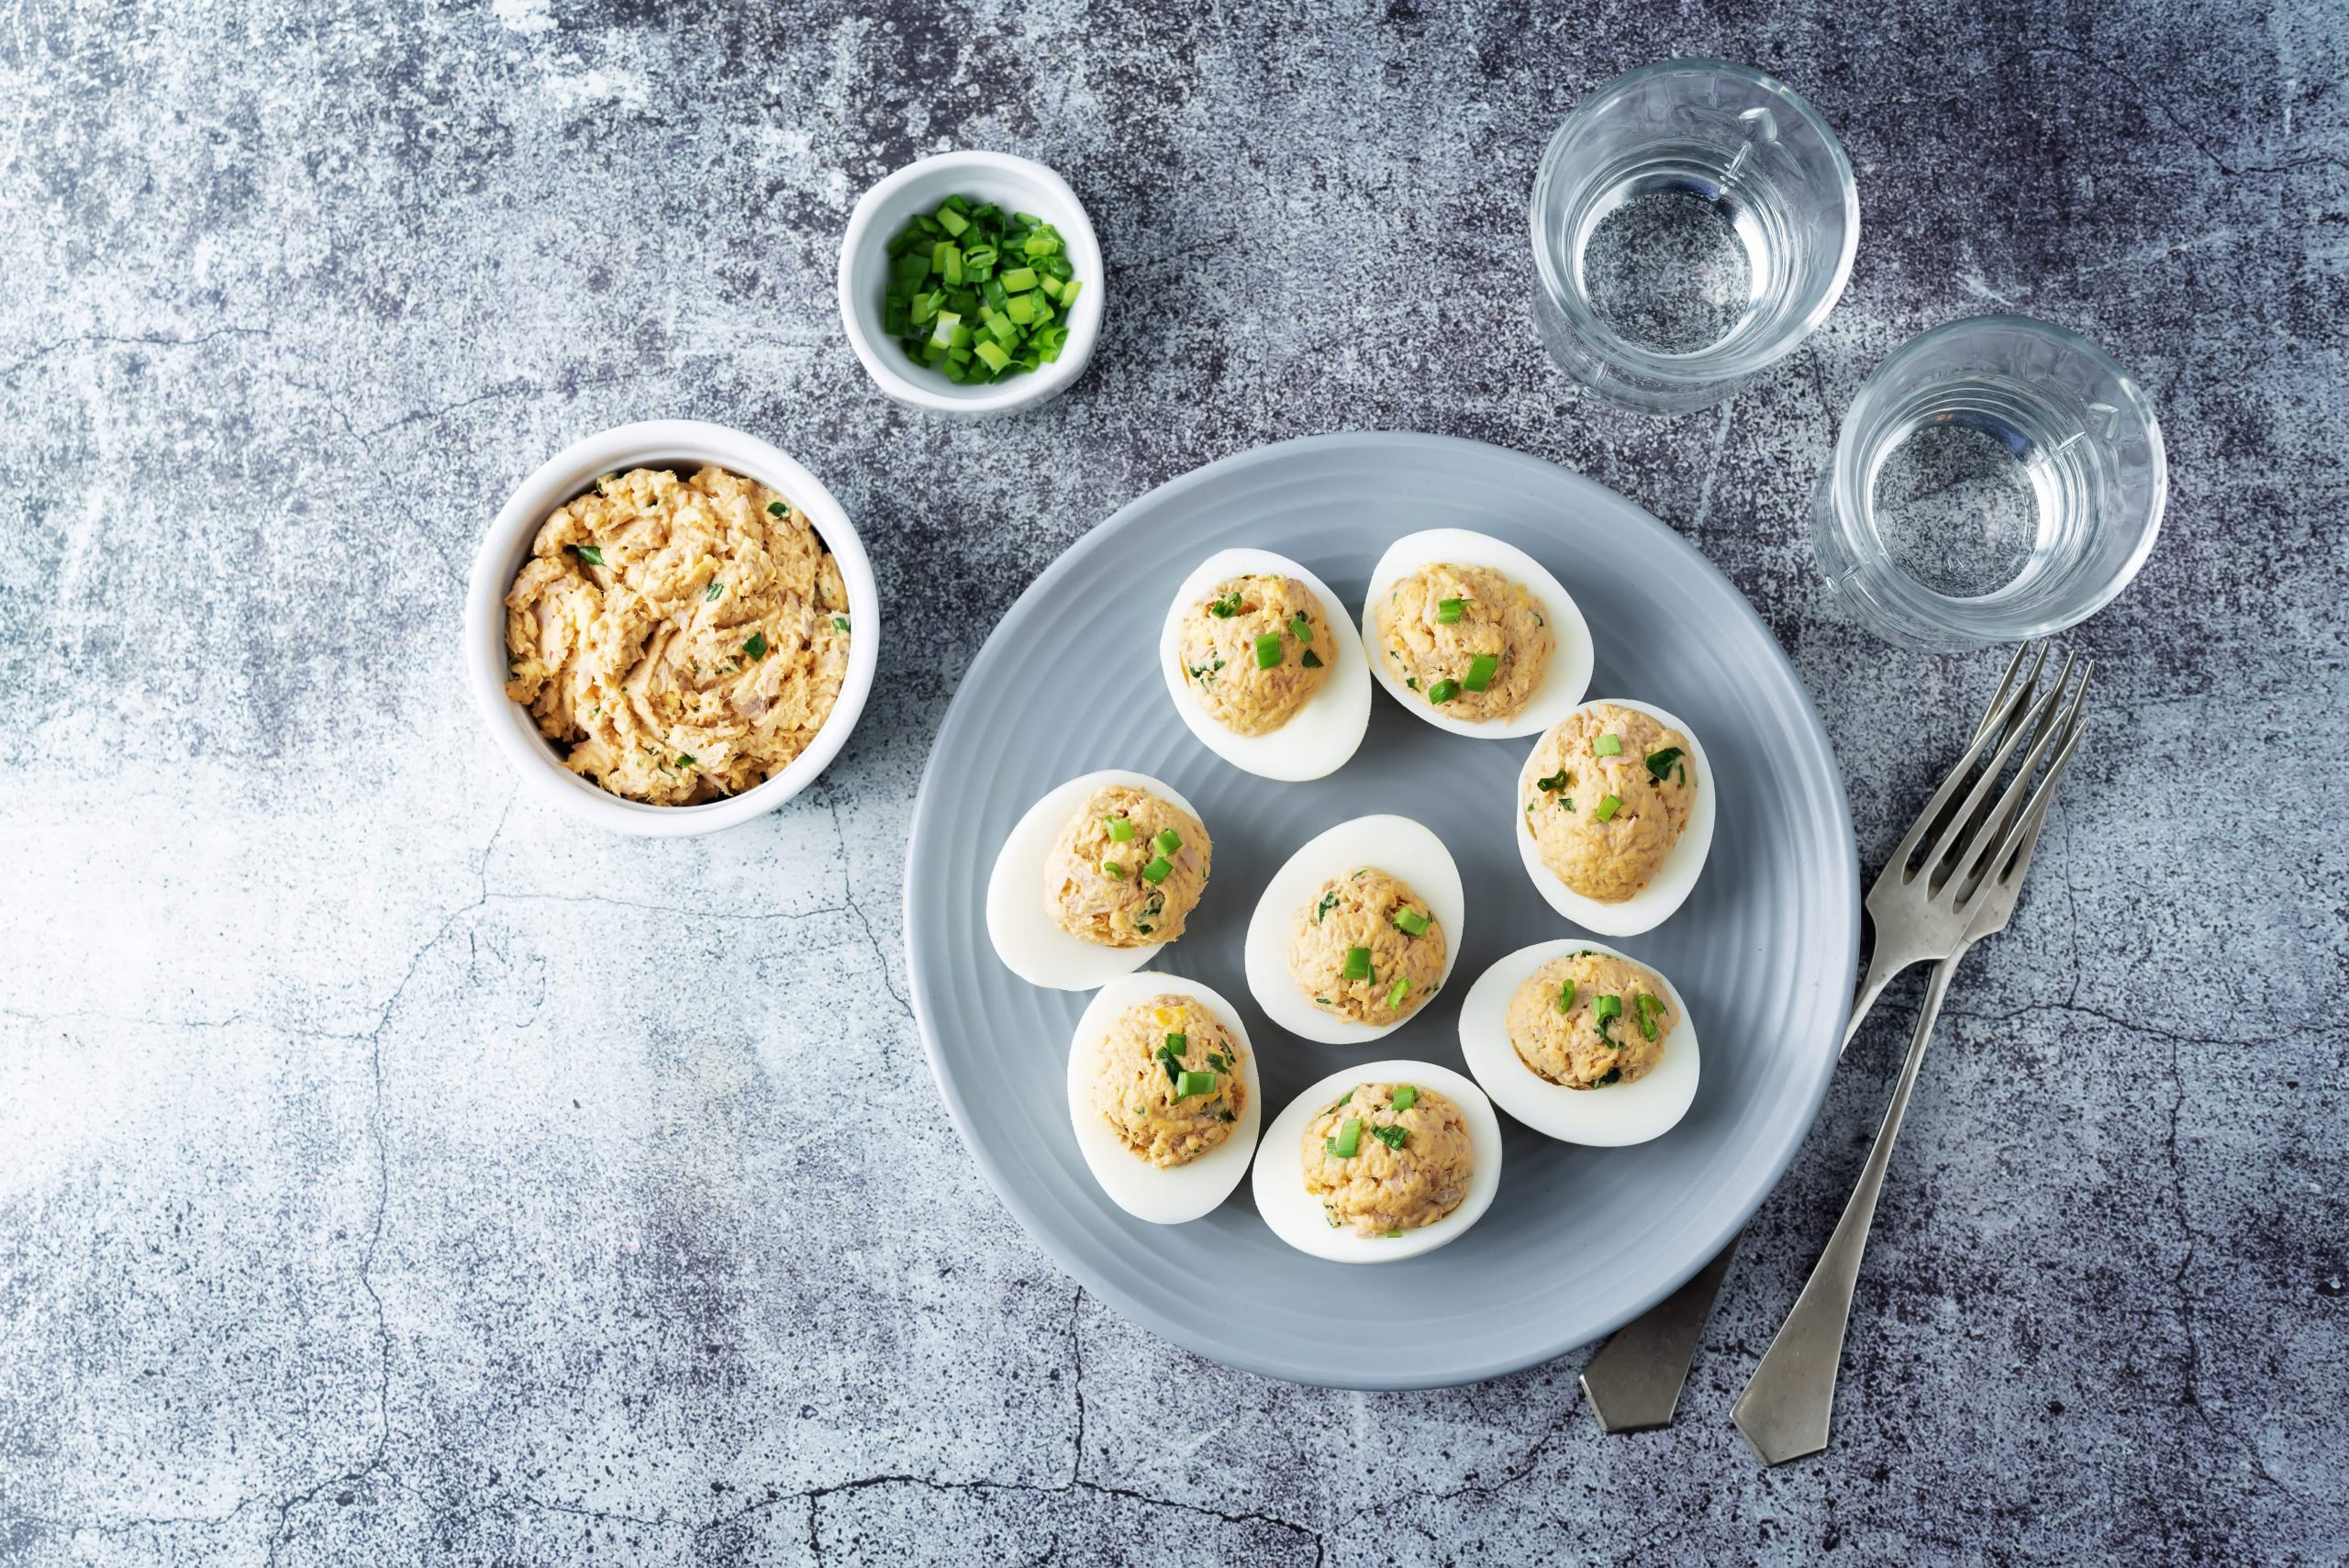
1997	479
1693	221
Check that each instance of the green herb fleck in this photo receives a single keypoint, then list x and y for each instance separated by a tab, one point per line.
590	554
757	647
1651	1008
715	588
1661	763
1329	902
1227	607
1393	1137
839	623
1311	660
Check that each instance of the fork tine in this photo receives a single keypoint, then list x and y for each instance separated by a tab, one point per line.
1931	816
1980	853
2004	815
2021	841
1959	819
2037	664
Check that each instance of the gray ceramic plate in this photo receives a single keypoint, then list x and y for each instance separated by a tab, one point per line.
1579	1241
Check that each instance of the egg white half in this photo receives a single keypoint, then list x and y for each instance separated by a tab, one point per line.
1031	945
1666	891
1610	1117
1296	1216
1563	684
1320	736
1181	1193
1396	845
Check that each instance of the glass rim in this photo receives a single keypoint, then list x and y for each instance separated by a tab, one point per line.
1847	499
1700	368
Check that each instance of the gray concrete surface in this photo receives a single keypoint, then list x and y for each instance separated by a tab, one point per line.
391	1171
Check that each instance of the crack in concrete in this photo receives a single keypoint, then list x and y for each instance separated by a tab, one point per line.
119	339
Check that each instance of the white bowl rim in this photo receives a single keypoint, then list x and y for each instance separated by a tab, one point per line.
942	395
506	545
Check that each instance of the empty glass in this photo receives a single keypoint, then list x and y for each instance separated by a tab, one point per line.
1997	479
1693	221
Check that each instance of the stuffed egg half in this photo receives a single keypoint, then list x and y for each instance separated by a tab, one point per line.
1164	1096
1264	666
1606	1075
1474	635
1358	931
1425	1187
1618	796
1095	878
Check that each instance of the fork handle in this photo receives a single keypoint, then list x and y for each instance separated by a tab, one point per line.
1785	1410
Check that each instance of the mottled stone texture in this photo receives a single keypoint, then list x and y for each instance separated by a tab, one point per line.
391	1172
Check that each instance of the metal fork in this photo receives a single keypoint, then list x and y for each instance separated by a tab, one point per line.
1970	876
1633	1383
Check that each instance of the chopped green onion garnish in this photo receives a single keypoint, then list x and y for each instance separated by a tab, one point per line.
1608	807
1357	964
715	588
1480	672
591	554
1192	1083
1268	650
1311	660
1227	607
1178	1043
1608	746
756	646
1113	870
1613	1073
1393	1137
1348	1141
1413	921
1157	870
1406	1098
1397	992
1120	829
1565	995
1167	841
1443	691
1447	611
1651	1009
1605	1010
1300	628
1554	781
950	309
1329	902
839	623
778	509
1341	1099
1660	762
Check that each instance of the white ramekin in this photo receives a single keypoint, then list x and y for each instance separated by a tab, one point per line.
1008	182
683	445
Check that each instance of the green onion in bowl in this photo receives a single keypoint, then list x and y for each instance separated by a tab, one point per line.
978	294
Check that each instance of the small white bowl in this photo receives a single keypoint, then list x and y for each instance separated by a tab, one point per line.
683	445
1011	182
